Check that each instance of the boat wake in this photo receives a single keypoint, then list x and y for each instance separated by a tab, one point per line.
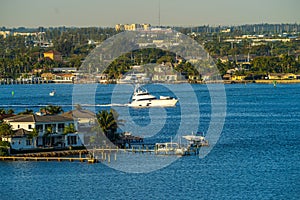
64	105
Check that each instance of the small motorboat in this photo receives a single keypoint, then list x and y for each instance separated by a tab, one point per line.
52	93
196	140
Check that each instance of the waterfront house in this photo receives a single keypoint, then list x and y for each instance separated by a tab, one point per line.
64	78
237	77
20	140
102	78
85	118
86	121
194	78
226	77
47	76
50	130
64	69
165	72
281	76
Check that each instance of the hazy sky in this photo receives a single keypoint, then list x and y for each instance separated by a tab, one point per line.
34	13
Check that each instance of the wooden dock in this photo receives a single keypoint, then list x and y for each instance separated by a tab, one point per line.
104	154
59	159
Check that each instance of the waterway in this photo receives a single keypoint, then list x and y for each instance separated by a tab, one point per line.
256	155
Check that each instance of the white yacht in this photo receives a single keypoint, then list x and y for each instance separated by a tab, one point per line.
142	98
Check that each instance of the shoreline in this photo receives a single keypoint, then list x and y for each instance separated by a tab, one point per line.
280	81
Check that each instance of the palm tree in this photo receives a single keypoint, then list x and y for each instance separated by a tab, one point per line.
33	135
69	129
2	111
47	135
8	112
26	111
5	130
52	110
109	122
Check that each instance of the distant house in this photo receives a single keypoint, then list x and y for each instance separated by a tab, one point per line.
64	69
165	73
237	77
53	55
102	78
47	76
239	59
280	76
50	131
64	78
227	77
194	77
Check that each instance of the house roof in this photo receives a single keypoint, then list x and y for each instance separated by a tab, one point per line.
3	116
81	113
37	118
21	133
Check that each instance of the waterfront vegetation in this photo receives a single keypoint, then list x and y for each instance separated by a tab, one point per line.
23	55
108	123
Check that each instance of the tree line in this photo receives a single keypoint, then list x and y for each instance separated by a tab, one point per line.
18	55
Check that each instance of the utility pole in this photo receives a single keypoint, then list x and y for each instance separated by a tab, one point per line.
159	13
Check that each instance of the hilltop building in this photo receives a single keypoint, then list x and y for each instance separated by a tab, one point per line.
132	27
53	55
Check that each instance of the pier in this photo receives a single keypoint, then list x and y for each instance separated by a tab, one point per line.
9	81
59	159
101	154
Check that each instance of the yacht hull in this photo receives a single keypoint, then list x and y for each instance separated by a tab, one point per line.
154	103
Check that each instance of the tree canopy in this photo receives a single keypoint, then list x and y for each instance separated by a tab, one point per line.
109	122
52	110
5	130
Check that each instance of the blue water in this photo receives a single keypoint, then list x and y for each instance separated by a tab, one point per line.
256	157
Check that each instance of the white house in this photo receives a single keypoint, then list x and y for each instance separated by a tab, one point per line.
86	120
165	73
50	131
20	140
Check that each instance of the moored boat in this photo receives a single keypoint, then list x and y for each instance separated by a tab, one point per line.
169	148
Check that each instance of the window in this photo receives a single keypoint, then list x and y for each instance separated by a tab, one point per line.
72	140
61	126
18	125
28	142
29	126
39	127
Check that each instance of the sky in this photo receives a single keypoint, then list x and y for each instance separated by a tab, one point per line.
107	13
